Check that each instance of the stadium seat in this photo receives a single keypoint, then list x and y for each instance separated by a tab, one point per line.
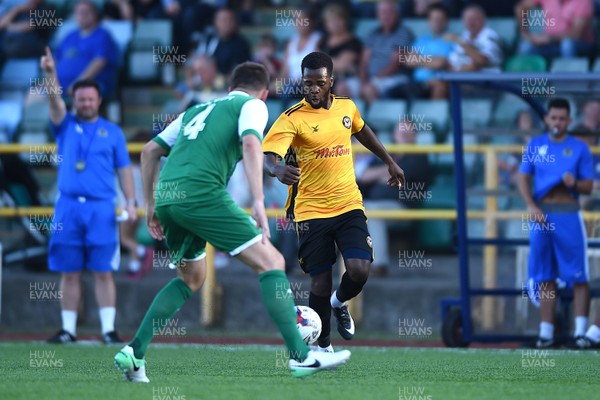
476	113
385	114
578	64
156	31
36	116
362	107
425	138
364	27
275	107
283	34
456	26
141	65
506	110
10	115
435	111
596	67
525	63
253	33
122	32
506	29
19	74
418	26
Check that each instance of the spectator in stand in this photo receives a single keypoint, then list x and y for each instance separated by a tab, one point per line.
339	42
431	52
379	69
589	123
226	45
587	130
378	194
305	41
88	52
24	30
202	83
417	8
266	54
568	30
118	9
478	48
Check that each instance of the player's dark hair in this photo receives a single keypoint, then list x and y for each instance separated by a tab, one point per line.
438	7
87	83
250	75
317	60
560	103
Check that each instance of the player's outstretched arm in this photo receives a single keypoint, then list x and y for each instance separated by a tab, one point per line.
367	138
253	165
151	154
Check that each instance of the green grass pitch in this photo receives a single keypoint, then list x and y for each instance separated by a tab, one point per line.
187	372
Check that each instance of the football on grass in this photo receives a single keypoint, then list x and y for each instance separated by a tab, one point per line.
309	324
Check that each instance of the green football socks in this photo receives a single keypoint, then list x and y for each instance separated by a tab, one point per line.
166	303
278	299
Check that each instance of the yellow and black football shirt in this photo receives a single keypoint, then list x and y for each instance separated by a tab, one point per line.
320	139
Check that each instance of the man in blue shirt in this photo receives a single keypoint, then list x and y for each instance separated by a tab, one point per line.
561	167
88	52
430	54
84	231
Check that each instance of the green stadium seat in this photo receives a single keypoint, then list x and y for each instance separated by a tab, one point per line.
385	114
578	64
525	63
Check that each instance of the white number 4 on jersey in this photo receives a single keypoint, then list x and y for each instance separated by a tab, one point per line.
197	124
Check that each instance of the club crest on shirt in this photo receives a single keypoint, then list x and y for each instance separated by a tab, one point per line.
370	241
347	122
543	150
102	132
567	152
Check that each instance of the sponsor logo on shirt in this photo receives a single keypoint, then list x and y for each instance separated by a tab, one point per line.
336	151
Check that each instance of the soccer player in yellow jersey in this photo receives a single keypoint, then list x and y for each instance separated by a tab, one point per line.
309	149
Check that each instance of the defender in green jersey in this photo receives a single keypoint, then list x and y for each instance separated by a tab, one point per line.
189	206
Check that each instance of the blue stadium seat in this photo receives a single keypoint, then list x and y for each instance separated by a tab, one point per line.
156	31
596	67
506	28
436	112
385	114
19	74
122	32
364	27
10	115
283	34
476	113
275	107
506	110
578	64
418	26
36	116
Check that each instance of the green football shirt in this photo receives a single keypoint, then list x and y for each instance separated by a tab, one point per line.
204	145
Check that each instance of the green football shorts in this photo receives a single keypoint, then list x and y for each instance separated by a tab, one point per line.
218	221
